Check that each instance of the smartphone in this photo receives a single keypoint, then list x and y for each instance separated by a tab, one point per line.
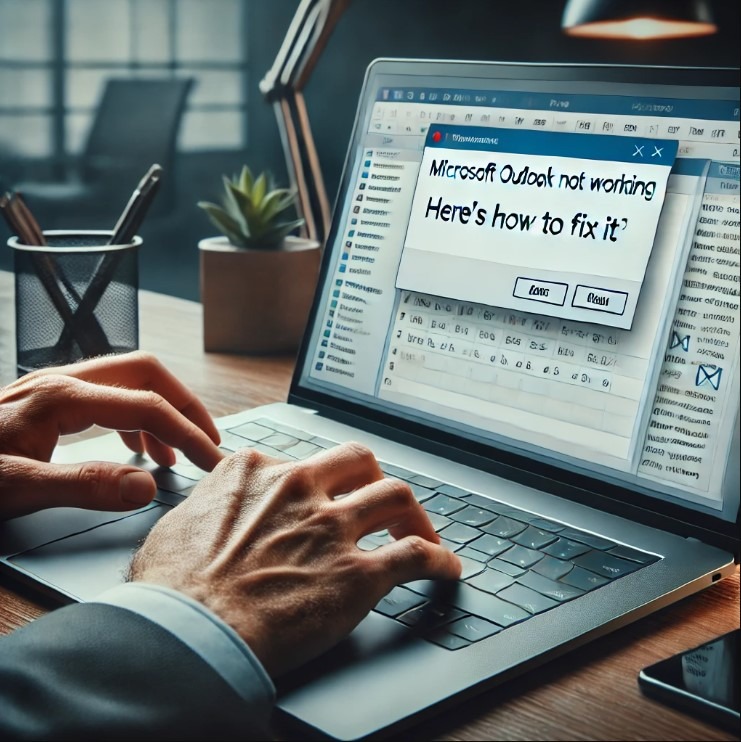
703	681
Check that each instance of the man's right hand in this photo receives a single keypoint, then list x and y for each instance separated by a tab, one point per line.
271	548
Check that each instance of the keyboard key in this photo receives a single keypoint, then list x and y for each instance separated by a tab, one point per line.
625	552
443	505
491	581
533	538
450	545
596	542
232	442
552	568
169	481
188	470
438	521
470	553
532	601
372	541
483	502
459	533
398	601
449	489
471	567
270	451
317	440
281	441
431	615
304	449
448	641
547	525
521	556
472	628
562	548
491	545
584	579
395	471
479	603
557	590
504	527
605	564
505	567
473	516
421	494
282	428
425	481
252	431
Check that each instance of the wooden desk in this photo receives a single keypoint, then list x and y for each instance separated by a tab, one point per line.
591	693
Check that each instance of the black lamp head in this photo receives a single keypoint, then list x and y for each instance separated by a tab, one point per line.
638	19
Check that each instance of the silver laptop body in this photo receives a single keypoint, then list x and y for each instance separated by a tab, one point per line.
528	309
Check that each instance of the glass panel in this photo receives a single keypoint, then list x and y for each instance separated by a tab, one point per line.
151	31
25	30
25	87
215	87
211	130
98	31
84	87
209	31
27	136
77	126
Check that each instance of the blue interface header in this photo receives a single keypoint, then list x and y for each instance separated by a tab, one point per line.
556	144
625	105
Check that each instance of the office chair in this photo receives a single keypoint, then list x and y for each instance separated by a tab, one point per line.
135	125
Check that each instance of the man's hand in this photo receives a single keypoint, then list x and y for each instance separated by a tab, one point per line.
271	547
131	393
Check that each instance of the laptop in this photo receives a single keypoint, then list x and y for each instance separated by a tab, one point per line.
528	308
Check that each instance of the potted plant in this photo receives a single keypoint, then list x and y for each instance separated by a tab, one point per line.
257	280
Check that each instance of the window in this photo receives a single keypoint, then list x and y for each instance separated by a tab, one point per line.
55	56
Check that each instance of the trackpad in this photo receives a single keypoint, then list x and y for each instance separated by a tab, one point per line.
85	564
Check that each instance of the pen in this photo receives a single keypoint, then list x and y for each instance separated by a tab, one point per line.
133	215
124	231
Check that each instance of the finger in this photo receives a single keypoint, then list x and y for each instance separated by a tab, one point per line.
411	558
160	453
28	485
132	440
344	468
140	370
387	504
84	404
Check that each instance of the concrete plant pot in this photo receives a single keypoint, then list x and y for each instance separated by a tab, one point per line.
256	301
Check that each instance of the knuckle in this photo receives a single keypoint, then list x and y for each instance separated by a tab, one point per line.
298	478
143	358
417	551
92	478
360	450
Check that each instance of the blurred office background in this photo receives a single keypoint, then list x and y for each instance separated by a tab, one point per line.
56	57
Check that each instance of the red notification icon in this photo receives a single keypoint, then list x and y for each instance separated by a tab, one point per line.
436	136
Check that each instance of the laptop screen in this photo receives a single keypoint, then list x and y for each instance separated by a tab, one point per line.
544	260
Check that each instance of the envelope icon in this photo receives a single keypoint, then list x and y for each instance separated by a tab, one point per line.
708	375
679	342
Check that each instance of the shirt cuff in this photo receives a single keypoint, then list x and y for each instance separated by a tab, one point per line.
204	633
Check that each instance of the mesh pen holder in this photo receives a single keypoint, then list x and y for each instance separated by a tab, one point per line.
75	297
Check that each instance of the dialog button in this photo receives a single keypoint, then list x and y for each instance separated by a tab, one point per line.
600	300
546	292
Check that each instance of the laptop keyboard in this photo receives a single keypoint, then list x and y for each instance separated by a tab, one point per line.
516	564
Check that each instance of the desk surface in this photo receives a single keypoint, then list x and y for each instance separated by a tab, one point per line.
591	693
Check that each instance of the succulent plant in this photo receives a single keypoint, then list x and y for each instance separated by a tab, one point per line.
252	211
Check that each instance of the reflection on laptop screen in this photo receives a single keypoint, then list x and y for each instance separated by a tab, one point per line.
550	268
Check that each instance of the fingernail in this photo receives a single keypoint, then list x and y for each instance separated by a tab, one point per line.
136	488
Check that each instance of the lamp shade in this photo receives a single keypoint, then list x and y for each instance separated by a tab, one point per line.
636	19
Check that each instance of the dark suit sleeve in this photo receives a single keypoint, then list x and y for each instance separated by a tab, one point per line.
104	672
